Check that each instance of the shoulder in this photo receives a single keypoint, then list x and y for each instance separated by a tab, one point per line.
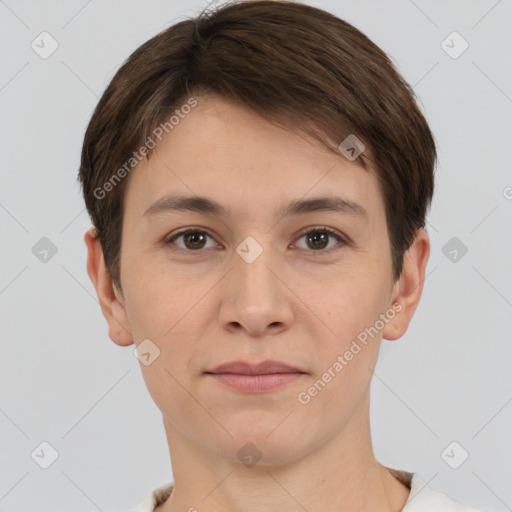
424	499
421	498
154	499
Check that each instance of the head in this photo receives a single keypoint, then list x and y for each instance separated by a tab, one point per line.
255	106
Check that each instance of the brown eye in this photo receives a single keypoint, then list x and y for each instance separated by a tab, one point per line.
196	240
317	240
193	239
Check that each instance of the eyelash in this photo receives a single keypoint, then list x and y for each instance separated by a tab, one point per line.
323	229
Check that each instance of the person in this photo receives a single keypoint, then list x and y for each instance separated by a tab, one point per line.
258	179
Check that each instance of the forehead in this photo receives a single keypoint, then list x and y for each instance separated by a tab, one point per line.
222	150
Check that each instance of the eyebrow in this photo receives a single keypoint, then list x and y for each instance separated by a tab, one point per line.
201	204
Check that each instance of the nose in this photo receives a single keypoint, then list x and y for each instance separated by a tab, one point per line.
256	297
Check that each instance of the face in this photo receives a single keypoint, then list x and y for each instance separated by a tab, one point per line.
253	282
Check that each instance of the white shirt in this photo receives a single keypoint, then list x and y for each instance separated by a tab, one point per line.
421	497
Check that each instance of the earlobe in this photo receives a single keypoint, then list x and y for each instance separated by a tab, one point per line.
111	302
409	287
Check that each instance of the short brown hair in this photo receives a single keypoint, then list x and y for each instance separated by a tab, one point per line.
295	65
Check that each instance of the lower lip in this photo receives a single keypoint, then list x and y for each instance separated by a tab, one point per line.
255	383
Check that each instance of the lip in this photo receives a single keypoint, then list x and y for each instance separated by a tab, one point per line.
263	368
255	378
255	383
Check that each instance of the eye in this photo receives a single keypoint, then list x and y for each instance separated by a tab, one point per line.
193	238
318	238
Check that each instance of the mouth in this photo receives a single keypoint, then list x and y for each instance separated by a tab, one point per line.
255	378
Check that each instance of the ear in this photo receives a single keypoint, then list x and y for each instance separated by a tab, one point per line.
408	288
111	300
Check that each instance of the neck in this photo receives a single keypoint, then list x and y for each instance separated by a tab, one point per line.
340	474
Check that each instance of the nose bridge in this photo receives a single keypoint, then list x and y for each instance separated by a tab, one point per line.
252	247
252	261
254	297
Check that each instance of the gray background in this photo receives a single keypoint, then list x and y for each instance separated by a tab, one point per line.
64	382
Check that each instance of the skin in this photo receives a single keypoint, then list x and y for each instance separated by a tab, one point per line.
208	306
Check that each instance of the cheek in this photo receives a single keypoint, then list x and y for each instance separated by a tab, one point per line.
350	310
348	352
154	297
351	304
166	309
